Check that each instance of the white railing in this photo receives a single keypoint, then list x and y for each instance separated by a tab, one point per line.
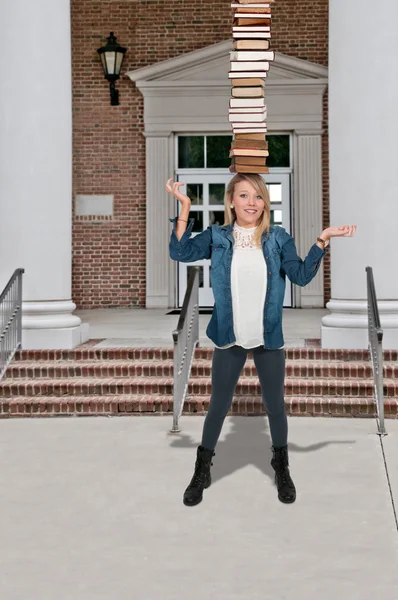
186	338
375	338
10	320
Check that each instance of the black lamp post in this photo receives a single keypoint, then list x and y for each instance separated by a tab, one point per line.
112	57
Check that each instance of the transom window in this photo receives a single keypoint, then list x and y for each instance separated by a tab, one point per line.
212	151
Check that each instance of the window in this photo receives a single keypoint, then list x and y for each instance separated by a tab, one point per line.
212	151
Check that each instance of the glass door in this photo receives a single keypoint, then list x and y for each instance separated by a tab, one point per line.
206	192
207	207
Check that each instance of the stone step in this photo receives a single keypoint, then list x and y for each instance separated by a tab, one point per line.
93	353
130	405
200	368
199	386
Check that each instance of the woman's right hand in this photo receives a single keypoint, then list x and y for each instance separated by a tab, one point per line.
172	188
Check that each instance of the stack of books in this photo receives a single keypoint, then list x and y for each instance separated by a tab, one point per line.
250	62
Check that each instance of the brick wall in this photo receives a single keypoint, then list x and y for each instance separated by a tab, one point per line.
108	145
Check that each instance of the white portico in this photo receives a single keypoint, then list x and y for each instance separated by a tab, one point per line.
190	94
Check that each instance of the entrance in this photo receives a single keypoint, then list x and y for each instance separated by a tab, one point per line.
206	191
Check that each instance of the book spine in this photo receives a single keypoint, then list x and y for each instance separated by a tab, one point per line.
257	110
242	56
243	74
253	29
260	35
256	65
249	129
255	102
257	16
252	4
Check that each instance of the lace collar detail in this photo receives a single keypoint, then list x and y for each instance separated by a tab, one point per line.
244	238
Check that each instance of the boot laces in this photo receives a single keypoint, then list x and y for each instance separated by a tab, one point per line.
200	473
284	476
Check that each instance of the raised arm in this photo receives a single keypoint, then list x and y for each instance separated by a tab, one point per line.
182	247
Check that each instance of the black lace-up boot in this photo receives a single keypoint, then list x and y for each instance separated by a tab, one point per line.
284	483
201	478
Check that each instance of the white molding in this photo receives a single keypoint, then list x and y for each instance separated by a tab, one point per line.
190	87
347	324
206	57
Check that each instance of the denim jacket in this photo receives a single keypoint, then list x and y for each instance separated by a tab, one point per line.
281	257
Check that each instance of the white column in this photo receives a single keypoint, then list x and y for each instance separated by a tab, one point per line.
363	125
308	210
158	264
36	167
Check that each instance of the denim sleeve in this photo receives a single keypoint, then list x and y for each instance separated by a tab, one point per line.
190	249
301	272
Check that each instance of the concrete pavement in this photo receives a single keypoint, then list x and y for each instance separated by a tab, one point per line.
153	327
92	509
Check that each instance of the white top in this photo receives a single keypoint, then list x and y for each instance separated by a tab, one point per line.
249	288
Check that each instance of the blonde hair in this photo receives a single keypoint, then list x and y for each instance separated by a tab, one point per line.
259	185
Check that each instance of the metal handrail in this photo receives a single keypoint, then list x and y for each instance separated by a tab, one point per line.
186	338
375	338
10	320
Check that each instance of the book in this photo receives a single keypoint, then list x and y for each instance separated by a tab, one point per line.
248	152
253	65
251	129
244	56
239	125
244	10
250	64
258	4
252	160
248	169
250	109
249	161
250	82
246	92
255	16
253	29
247	74
250	144
250	22
261	35
249	137
247	102
251	44
245	118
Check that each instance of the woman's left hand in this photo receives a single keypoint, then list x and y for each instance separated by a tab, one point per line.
344	231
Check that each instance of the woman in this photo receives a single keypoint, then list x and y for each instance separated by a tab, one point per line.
249	263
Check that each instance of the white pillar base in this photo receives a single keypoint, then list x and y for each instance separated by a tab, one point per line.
51	325
54	339
347	325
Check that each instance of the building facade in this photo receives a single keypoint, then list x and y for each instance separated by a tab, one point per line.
94	174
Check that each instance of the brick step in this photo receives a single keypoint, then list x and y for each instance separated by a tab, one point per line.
199	386
93	353
200	368
128	405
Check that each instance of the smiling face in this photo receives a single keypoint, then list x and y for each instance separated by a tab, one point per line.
248	203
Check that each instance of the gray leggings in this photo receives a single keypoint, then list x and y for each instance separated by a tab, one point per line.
226	369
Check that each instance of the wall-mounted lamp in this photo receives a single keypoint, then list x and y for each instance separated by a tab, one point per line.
112	57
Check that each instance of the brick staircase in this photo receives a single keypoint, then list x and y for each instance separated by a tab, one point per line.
128	381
